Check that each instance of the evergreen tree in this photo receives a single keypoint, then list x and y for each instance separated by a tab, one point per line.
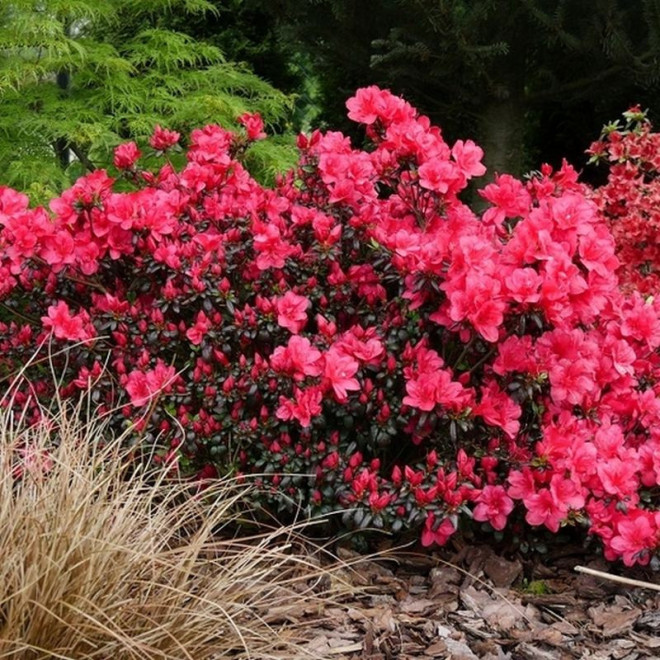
79	76
496	70
245	30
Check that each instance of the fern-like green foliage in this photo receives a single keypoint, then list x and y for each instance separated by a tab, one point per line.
77	77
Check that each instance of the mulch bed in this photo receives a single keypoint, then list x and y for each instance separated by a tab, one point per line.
477	604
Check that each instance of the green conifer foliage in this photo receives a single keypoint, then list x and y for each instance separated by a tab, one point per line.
79	76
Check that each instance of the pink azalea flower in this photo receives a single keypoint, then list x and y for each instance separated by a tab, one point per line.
292	311
64	325
494	506
197	332
126	155
272	250
142	387
305	405
522	484
544	509
253	124
467	156
339	371
162	139
636	536
439	176
297	359
438	535
498	409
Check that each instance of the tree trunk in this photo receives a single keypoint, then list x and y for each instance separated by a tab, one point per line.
501	133
61	145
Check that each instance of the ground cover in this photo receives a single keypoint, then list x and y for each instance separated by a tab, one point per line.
473	603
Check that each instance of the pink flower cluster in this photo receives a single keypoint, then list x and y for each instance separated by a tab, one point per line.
359	335
630	200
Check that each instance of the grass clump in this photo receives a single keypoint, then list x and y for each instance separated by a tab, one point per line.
101	559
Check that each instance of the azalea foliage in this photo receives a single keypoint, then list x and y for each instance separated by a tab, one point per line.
357	336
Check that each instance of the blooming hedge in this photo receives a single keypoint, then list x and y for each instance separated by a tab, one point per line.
358	336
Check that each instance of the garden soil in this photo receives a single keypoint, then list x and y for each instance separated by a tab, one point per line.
473	603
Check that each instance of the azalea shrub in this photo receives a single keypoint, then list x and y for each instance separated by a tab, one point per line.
357	339
630	200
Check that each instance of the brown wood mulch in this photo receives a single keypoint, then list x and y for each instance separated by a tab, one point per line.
476	604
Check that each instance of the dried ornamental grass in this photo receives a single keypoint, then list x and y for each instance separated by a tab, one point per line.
98	561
